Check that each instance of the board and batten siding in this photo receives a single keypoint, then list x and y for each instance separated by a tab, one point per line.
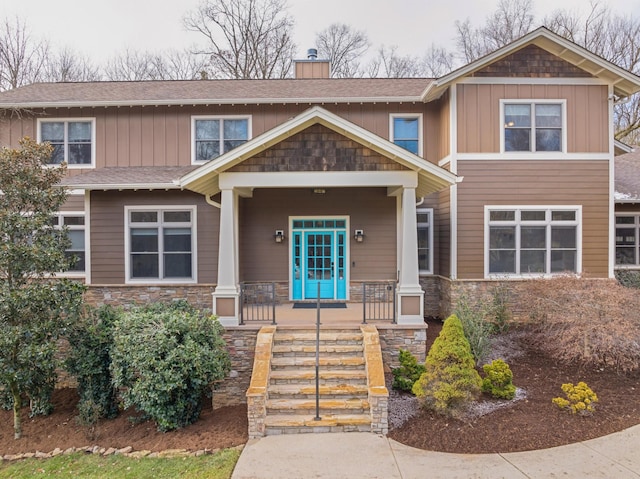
524	182
369	209
108	229
478	111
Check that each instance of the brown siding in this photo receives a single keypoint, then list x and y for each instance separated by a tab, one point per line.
74	203
531	61
107	232
161	136
627	208
478	113
443	121
369	209
443	221
533	183
431	201
317	148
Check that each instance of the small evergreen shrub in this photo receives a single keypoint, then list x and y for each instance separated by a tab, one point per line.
164	358
409	371
579	398
499	380
628	278
89	360
475	318
450	379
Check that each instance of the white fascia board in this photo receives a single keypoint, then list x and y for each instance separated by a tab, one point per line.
306	179
211	101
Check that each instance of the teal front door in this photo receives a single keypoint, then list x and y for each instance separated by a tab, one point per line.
318	259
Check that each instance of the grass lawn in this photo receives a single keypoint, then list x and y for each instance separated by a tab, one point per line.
216	466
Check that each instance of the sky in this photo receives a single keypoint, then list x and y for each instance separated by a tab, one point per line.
100	29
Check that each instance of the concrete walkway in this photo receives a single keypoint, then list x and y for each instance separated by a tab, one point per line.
367	456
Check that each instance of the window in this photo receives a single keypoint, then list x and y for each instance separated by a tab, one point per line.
532	240
160	244
72	141
425	240
627	240
406	132
214	136
533	126
74	222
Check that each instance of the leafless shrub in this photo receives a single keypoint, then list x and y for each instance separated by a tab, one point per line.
589	321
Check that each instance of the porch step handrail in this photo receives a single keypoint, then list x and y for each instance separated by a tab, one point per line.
318	418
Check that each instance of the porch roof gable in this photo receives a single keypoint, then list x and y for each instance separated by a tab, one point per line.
204	180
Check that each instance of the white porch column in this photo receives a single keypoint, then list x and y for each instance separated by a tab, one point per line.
227	293
410	293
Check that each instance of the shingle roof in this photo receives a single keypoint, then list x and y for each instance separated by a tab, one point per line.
627	178
179	92
130	177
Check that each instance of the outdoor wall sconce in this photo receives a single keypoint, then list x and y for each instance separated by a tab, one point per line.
359	236
319	191
279	236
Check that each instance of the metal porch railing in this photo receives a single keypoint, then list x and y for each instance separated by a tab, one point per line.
379	301
257	302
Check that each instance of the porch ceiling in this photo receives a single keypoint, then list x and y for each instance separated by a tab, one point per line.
205	180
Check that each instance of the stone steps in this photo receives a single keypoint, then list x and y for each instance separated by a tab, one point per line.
343	391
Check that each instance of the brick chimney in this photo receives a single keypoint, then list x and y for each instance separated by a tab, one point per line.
312	67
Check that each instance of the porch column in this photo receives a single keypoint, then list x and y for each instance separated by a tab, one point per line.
227	292
410	293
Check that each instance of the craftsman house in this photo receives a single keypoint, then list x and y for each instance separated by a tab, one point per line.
317	187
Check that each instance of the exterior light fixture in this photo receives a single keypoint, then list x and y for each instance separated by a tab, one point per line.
319	191
359	236
279	236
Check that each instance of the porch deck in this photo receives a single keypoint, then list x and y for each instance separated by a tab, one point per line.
288	317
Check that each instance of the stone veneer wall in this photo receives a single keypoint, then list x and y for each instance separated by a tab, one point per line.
394	337
241	342
432	286
134	295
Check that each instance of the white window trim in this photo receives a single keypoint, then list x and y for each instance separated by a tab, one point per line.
194	243
429	212
393	116
636	226
532	102
75	274
577	223
195	118
40	121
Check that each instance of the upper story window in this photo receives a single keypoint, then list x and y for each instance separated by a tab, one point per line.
160	244
425	240
214	136
533	126
532	240
73	140
74	222
406	131
627	240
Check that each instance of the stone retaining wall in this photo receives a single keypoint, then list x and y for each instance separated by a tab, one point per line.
394	337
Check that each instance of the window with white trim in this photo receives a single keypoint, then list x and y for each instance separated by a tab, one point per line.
214	136
74	223
533	126
160	243
425	240
406	132
628	240
73	140
532	240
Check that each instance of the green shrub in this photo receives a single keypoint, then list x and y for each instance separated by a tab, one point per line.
499	380
450	379
89	360
500	310
628	278
164	358
405	376
580	398
475	319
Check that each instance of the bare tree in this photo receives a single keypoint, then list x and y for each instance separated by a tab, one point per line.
21	57
615	38
511	20
132	65
68	66
437	61
390	64
344	47
245	38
